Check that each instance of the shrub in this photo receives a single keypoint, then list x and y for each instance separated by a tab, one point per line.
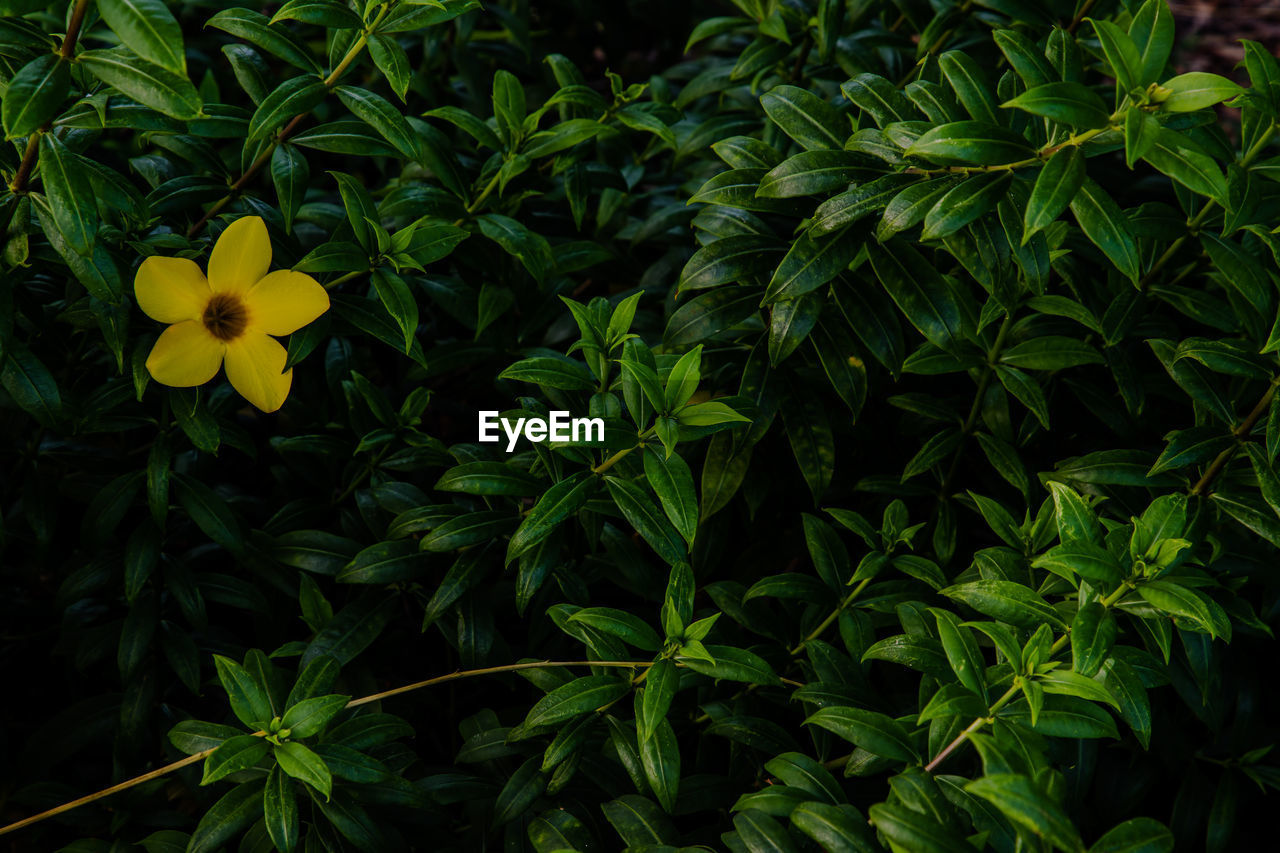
934	347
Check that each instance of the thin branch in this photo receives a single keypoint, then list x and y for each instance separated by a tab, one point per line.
199	756
67	50
1241	431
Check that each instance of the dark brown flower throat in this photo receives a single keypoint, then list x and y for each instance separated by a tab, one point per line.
226	316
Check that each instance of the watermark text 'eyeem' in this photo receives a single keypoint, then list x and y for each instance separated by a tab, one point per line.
557	426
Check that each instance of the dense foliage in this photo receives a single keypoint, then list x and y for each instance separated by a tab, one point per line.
937	507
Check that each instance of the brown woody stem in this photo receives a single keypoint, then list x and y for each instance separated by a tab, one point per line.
66	51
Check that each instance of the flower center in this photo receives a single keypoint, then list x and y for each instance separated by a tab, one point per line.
226	317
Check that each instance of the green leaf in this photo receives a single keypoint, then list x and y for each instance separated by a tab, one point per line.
1050	352
293	97
908	829
672	481
399	301
580	696
391	60
811	263
859	201
210	513
257	29
291	177
1176	156
1196	90
1067	717
976	143
811	173
834	827
1139	834
641	512
732	259
805	117
508	106
638	820
1065	682
227	818
551	373
1008	602
970	85
1122	54
556	504
304	765
1130	695
322	13
147	83
489	478
628	627
919	290
683	380
31	385
733	664
878	97
1176	600
809	434
710	313
70	194
874	732
148	29
1140	132
1026	59
309	717
760	833
232	756
661	683
34	94
660	758
910	206
383	117
248	702
1067	103
531	249
1093	631
1152	32
1106	226
1018	798
280	811
918	652
961	649
964	203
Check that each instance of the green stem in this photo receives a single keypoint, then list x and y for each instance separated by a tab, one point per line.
1009	695
1079	16
621	454
1241	431
835	614
345	277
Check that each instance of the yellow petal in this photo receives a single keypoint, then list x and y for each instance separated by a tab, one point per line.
241	256
254	362
285	301
185	355
171	290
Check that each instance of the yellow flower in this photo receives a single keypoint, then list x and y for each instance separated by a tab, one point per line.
228	317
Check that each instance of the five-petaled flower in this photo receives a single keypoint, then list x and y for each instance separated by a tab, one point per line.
230	316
